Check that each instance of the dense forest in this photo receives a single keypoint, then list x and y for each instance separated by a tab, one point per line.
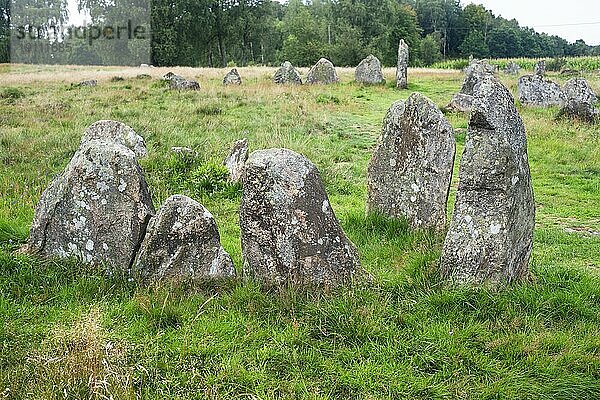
250	32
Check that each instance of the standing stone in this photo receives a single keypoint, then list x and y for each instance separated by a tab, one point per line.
512	68
491	233
475	72
402	67
232	78
410	172
540	68
117	132
322	73
184	84
287	75
182	242
236	160
89	83
535	90
97	210
580	101
369	71
290	234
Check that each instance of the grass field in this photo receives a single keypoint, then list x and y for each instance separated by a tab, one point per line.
68	332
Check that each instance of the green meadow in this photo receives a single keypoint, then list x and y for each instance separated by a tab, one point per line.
71	332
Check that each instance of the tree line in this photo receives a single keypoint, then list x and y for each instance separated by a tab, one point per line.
217	33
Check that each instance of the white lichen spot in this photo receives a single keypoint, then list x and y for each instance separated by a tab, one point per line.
320	241
102	186
122	185
415	187
495	229
72	247
89	245
468	218
413	198
392	162
104	246
103	202
337	239
514	180
325	207
177	225
207	214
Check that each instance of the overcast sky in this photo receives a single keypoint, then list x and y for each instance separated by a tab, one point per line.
579	19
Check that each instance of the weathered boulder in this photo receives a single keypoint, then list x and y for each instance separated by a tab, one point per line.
369	71
232	78
117	132
580	101
535	90
540	68
402	66
180	83
410	172
475	72
290	234
512	68
88	83
97	210
287	75
491	233
171	75
322	73
182	242
236	160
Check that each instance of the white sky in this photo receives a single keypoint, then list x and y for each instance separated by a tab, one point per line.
580	19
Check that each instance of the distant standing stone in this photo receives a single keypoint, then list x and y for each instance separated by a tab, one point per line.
117	132
491	232
535	90
232	78
290	234
410	172
322	73
89	83
236	159
97	210
580	101
182	242
183	84
287	75
402	67
540	68
512	68
369	71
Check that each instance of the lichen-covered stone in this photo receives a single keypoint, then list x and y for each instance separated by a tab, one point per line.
117	132
178	83
535	90
491	233
540	68
580	101
88	83
236	160
369	71
97	210
322	73
287	75
182	242
290	234
475	72
402	66
410	172
512	68
232	78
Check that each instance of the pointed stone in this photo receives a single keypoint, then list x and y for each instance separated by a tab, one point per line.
402	66
182	242
369	71
236	160
322	73
410	172
491	233
117	132
475	72
287	75
97	210
290	234
540	68
232	78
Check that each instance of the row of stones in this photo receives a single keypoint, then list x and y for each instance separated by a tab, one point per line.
576	99
100	208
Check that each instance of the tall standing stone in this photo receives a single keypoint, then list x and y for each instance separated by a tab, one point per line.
117	132
232	78
322	73
236	160
410	172
402	67
539	68
182	242
475	72
580	101
491	232
287	75
97	210
369	71
290	234
512	68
